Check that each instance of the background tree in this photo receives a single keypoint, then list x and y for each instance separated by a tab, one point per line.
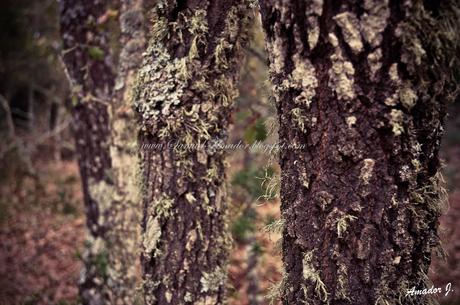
105	133
185	91
32	103
364	87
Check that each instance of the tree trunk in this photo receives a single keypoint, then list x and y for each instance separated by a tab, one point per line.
253	253
105	132
361	90
185	91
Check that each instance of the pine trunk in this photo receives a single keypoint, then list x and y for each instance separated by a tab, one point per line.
361	89
185	91
105	132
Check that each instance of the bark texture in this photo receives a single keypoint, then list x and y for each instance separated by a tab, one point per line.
105	131
125	214
184	96
363	86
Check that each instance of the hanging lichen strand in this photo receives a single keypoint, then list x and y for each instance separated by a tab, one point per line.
363	85
185	90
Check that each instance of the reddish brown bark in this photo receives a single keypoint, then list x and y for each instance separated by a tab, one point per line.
359	86
185	92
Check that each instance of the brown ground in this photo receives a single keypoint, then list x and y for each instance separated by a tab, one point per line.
41	230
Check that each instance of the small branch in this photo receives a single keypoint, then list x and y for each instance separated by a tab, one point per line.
9	118
16	142
28	148
47	135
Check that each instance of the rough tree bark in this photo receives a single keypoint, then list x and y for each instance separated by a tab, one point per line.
184	96
361	88
105	131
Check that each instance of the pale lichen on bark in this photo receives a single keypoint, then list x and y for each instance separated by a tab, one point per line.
371	156
397	121
367	170
302	78
374	60
184	94
374	20
341	74
314	11
312	275
349	24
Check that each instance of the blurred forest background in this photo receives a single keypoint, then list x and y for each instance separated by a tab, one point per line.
42	225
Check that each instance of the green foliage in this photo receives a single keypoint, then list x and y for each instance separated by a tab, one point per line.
255	132
244	225
101	263
251	180
96	53
257	248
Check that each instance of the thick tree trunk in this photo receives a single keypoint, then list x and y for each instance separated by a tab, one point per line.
362	93
105	132
186	87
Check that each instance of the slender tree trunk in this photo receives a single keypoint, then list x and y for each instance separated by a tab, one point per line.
105	132
125	214
88	64
185	91
253	253
361	89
